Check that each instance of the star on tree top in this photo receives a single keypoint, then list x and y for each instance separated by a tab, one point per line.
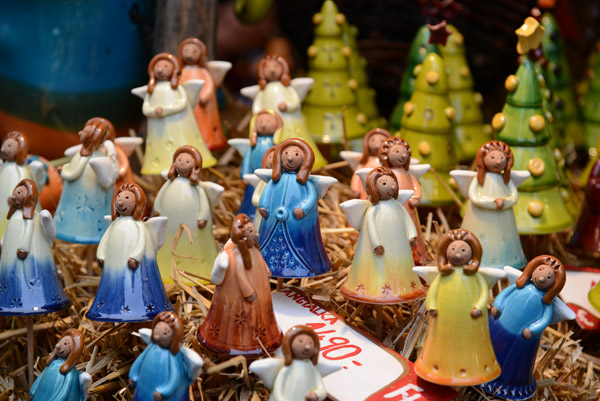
529	35
439	33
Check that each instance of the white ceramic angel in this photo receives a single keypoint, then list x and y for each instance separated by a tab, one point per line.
131	289
277	91
169	109
184	199
492	193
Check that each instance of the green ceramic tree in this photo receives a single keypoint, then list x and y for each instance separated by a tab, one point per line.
591	102
469	130
334	88
542	208
419	48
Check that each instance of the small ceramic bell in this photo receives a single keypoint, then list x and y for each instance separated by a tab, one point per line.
492	193
586	236
290	235
458	350
88	187
192	52
519	316
131	289
29	282
296	377
367	159
169	105
277	91
184	199
241	312
60	380
166	369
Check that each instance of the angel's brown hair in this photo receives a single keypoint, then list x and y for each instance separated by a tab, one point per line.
368	135
100	129
23	146
307	163
76	350
238	236
387	145
101	121
196	170
559	270
372	183
197	42
174	76
288	338
140	201
175	324
487	148
444	266
265	158
31	199
285	78
270	112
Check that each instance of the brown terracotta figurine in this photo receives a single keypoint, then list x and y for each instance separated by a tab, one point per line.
241	311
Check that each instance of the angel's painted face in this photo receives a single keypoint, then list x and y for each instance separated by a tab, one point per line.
63	347
543	277
163	70
191	54
272	70
184	163
374	142
10	147
387	187
495	161
162	334
265	124
125	203
398	155
459	253
292	158
303	347
250	234
18	197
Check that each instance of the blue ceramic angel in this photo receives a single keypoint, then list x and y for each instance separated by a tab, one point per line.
89	180
29	282
61	381
519	316
131	289
260	185
264	126
165	370
290	235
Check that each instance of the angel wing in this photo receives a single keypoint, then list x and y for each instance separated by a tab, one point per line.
362	174
85	380
264	174
165	174
428	273
240	144
302	86
250	91
157	226
48	224
414	161
128	143
140	91
352	157
251	179
193	88
355	210
71	150
321	183
418	170
463	179
145	334
193	363
326	367
267	369
404	195
491	275
108	219
218	70
518	176
213	191
36	169
512	274
220	268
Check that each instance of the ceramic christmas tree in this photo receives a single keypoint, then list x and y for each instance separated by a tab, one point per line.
365	95
469	130
427	125
333	95
591	104
542	208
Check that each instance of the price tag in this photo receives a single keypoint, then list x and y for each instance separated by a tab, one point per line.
580	280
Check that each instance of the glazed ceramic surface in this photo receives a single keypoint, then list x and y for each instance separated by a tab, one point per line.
54	385
251	162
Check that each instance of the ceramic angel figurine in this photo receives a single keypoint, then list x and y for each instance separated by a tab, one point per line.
89	178
519	316
296	377
192	52
290	235
184	199
241	312
492	194
458	350
395	153
61	381
166	369
260	185
168	106
29	282
130	289
277	91
368	159
381	271
264	126
14	169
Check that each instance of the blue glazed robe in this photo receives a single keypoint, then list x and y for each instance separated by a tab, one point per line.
251	162
157	369
29	286
292	247
51	385
520	308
